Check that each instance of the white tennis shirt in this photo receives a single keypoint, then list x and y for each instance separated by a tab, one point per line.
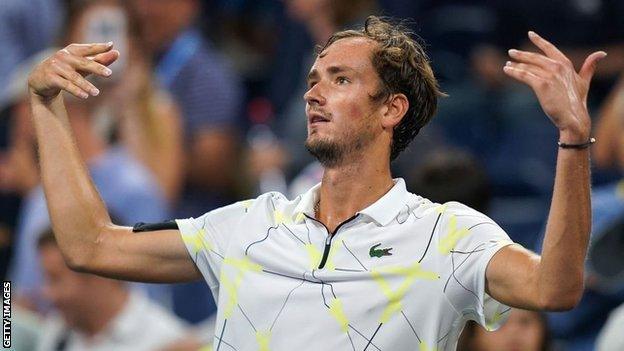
402	274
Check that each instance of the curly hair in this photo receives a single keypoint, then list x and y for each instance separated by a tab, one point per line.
403	67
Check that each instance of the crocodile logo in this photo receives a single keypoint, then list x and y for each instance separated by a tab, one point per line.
374	252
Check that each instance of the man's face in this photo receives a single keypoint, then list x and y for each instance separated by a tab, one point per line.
342	118
63	287
162	19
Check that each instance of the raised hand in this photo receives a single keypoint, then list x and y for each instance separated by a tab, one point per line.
561	91
68	67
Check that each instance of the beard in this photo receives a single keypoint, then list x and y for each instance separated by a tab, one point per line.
332	153
328	153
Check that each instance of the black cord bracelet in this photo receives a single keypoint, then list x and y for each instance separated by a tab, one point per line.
577	146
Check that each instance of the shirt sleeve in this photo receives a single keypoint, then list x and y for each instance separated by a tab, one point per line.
468	240
208	236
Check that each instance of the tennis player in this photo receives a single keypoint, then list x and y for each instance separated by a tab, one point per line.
357	262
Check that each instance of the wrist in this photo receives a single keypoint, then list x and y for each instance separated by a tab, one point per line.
34	96
568	136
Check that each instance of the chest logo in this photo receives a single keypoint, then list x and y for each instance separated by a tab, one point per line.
375	252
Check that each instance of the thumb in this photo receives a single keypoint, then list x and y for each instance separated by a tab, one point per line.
589	66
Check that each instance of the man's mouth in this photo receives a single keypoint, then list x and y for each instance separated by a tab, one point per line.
317	118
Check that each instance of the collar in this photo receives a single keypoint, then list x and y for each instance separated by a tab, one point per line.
306	204
382	211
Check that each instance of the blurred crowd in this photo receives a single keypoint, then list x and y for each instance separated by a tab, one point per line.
205	108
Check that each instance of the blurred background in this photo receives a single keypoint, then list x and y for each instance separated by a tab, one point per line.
205	108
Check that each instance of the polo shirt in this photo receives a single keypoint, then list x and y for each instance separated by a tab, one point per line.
402	274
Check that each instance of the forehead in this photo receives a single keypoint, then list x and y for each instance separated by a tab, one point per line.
350	52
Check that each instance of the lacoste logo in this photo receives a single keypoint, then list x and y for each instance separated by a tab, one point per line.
374	252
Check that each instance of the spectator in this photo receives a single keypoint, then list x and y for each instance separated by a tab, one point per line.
27	28
609	153
610	337
210	99
96	313
579	328
144	117
451	175
206	90
122	180
524	330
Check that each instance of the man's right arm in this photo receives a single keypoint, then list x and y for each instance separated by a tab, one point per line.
88	239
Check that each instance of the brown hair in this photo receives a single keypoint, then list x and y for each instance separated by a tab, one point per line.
403	67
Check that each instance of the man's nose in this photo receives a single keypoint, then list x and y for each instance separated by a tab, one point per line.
314	95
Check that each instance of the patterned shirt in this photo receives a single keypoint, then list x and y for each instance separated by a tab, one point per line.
402	274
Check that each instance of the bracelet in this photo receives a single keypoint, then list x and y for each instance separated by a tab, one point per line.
577	146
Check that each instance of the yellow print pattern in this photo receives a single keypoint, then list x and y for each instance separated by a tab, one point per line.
337	311
454	234
263	338
231	286
197	241
395	297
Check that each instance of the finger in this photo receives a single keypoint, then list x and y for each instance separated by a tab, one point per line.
88	49
70	87
67	72
86	66
523	76
536	70
106	58
532	58
549	49
589	66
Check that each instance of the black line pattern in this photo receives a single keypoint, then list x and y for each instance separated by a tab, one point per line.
225	343
456	268
435	225
372	337
247	318
293	234
284	304
444	336
350	340
349	270
482	223
354	256
411	326
370	341
221	336
261	240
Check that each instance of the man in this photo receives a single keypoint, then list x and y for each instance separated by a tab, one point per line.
97	313
357	262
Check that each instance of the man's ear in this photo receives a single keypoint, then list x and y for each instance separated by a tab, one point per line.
396	108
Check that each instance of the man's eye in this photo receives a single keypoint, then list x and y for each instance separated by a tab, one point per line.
311	84
342	80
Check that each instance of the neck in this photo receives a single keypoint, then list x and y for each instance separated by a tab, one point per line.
351	187
104	310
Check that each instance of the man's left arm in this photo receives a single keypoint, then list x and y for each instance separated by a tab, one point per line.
553	281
